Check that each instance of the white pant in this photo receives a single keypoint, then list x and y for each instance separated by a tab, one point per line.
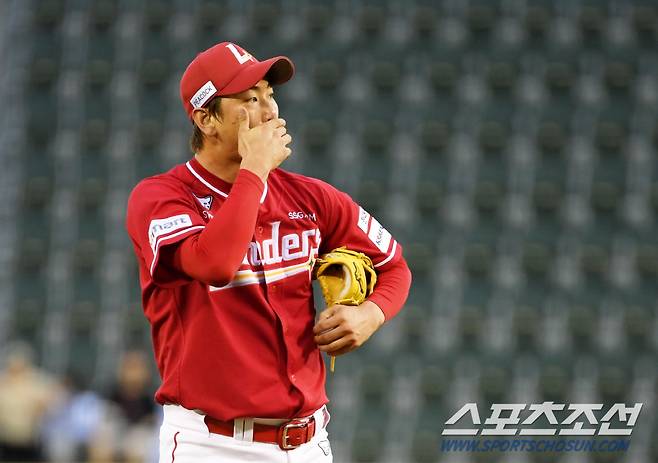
184	438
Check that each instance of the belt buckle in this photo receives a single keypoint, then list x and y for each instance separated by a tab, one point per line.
294	424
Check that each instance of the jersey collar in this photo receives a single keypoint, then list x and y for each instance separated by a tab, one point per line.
212	182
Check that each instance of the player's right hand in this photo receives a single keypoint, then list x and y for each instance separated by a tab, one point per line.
264	147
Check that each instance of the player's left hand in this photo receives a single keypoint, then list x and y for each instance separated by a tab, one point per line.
342	328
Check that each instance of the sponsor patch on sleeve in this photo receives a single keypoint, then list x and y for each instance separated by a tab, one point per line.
379	235
364	218
159	227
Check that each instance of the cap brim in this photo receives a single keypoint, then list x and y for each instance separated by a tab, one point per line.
276	71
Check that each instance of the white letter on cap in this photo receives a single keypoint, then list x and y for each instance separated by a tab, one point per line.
241	58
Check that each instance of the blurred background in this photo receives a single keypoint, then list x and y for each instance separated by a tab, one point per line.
509	145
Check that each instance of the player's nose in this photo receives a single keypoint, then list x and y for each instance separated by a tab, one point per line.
270	111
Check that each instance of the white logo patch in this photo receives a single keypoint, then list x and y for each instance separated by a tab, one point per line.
364	218
159	227
203	95
205	201
379	235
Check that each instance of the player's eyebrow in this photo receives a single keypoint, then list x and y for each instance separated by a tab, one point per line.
258	87
244	93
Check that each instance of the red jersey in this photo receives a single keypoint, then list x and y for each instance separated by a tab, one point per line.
246	348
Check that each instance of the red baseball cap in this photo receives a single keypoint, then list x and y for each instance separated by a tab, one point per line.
225	69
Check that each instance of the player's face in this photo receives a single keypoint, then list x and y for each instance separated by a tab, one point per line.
258	101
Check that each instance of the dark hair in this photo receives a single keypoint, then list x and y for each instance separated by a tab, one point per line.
196	139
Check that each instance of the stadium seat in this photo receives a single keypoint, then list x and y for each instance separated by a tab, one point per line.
494	382
644	23
48	14
555	382
102	14
318	17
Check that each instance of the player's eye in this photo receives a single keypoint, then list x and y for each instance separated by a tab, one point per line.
253	99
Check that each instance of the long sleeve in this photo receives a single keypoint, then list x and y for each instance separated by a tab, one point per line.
214	255
392	288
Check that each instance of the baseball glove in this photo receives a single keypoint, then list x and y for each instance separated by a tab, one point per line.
346	277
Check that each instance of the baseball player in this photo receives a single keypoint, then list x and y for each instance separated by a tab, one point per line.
226	244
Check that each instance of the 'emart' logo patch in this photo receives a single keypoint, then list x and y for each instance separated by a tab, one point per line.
159	227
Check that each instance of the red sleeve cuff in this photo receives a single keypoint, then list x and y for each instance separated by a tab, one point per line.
392	288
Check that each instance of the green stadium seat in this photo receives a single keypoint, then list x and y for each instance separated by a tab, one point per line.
537	22
527	320
99	74
366	445
264	17
493	136
489	199
592	22
435	137
371	20
494	382
158	17
480	18
83	332
48	14
414	329
606	197
27	323
424	20
471	325
153	72
552	137
32	252
327	75
318	17
560	77
37	192
443	76
102	14
638	324
86	256
434	384
537	259
502	77
581	320
645	18
424	447
385	77
429	196
43	72
613	383
547	198
555	382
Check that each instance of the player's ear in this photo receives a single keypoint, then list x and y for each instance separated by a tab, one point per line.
203	120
